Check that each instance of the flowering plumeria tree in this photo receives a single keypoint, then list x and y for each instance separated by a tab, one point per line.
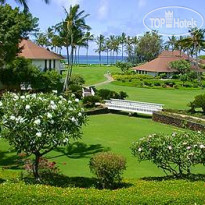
174	153
38	123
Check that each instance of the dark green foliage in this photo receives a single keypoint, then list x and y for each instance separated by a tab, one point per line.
106	94
199	102
14	25
17	72
77	79
89	101
108	168
48	81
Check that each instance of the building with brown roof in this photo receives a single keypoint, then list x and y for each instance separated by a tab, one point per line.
161	64
41	57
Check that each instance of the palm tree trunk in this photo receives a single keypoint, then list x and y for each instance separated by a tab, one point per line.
87	54
36	166
107	56
122	51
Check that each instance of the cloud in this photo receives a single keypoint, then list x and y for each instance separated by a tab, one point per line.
67	3
142	3
103	9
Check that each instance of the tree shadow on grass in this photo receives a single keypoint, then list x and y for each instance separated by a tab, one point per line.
73	182
132	114
78	150
9	162
192	177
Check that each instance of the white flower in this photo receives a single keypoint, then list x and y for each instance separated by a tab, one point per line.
202	146
49	115
53	107
184	143
12	117
77	100
69	102
60	102
65	140
140	149
188	148
170	147
1	103
38	134
73	119
52	122
23	97
80	114
37	122
73	95
199	132
52	102
55	91
28	107
20	119
174	134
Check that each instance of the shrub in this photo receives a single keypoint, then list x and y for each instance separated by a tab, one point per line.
174	153
108	168
182	66
106	94
124	66
199	102
90	101
77	80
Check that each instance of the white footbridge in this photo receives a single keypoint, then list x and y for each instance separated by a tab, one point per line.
133	106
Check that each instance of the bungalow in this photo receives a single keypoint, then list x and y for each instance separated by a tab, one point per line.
40	57
161	64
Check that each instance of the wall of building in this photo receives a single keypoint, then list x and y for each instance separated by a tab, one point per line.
41	64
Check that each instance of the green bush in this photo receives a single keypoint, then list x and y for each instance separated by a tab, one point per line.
108	168
77	79
124	66
90	101
199	102
106	94
175	153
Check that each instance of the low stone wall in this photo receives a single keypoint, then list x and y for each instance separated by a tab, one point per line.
98	111
178	121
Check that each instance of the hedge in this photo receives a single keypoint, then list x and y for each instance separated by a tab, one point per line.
178	121
136	192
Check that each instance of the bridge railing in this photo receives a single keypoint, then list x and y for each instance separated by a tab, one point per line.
133	106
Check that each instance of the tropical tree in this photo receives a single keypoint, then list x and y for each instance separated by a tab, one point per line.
88	37
172	42
22	2
71	30
42	40
14	25
100	40
122	42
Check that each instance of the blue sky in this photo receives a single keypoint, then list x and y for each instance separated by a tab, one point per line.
108	16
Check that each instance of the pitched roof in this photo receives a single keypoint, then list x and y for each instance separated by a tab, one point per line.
32	51
161	63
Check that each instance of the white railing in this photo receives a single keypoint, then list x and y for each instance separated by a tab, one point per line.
133	106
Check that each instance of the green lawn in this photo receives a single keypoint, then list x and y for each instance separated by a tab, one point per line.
104	132
95	73
175	99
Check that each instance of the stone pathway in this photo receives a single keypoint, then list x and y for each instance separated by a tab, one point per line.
109	80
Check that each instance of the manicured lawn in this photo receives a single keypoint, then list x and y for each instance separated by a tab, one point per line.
104	132
175	99
95	73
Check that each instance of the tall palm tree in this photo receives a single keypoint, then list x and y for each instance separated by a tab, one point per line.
171	43
71	30
88	37
100	40
122	42
22	2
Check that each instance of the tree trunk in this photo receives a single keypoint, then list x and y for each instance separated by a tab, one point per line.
87	54
36	166
122	52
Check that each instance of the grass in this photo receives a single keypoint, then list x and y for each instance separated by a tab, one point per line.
95	73
174	99
104	132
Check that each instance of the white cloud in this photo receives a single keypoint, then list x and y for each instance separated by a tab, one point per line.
142	3
67	3
103	9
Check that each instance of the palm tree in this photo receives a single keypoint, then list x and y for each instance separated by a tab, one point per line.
88	37
100	40
122	42
71	30
22	2
116	44
171	43
195	43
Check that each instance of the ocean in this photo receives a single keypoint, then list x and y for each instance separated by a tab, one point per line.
93	59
